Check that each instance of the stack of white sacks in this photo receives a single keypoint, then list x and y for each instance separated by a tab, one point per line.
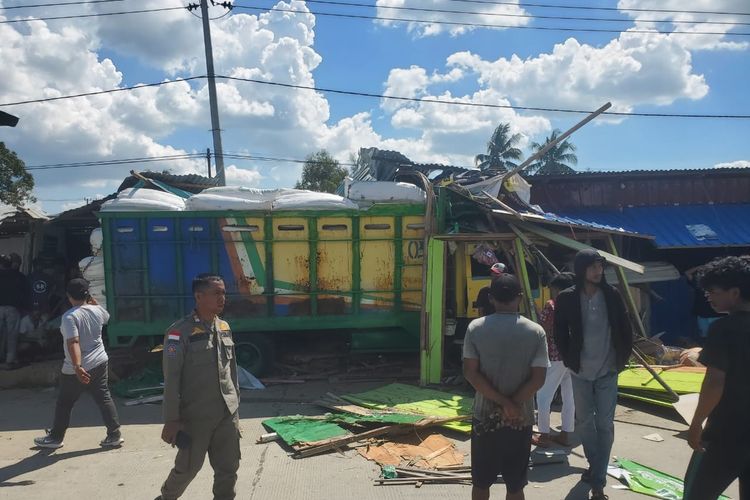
92	268
357	194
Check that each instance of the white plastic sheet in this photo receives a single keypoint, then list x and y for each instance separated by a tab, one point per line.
310	201
140	200
381	191
209	201
96	239
92	268
252	194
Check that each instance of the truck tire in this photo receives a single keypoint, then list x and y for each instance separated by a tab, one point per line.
255	353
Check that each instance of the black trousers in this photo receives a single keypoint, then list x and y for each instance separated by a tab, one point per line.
70	390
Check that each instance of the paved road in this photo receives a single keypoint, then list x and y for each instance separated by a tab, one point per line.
81	470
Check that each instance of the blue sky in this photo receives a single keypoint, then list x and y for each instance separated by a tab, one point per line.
638	72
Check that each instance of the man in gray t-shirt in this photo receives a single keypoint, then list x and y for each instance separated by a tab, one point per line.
85	368
505	360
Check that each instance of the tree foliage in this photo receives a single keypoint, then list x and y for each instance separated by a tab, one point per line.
555	161
321	173
501	151
16	184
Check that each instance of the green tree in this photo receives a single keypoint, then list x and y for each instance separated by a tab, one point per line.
16	184
556	159
322	173
501	151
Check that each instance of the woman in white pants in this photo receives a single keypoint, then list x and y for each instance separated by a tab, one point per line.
557	374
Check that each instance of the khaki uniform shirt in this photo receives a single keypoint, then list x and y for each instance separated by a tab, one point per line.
200	370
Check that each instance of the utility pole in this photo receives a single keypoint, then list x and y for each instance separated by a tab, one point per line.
208	161
215	127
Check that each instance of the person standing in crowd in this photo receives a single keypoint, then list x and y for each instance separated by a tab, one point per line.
15	262
483	302
722	451
558	374
201	394
594	338
704	313
505	360
85	369
14	303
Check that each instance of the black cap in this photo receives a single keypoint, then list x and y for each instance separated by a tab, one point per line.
78	288
505	288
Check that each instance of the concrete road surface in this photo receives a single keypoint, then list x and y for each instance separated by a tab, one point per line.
81	470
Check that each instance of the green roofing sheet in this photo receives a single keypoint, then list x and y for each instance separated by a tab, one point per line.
682	381
417	400
304	429
651	482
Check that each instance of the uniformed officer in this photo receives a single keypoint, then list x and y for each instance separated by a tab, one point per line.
201	394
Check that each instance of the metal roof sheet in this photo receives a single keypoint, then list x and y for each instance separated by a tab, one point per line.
682	226
574	222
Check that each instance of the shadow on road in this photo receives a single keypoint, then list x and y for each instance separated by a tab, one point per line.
579	492
42	459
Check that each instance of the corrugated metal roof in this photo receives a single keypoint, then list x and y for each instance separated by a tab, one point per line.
573	222
683	226
641	172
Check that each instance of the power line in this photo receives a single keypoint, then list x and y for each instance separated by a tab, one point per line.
484	25
382	96
100	92
238	156
527	16
33	6
475	104
610	9
122	161
99	14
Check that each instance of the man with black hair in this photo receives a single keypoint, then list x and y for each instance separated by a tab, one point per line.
505	360
202	394
14	303
85	368
722	449
594	338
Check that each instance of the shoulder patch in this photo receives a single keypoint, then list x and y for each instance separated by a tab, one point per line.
174	336
171	349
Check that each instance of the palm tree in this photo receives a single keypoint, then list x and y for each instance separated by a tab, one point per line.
556	159
500	151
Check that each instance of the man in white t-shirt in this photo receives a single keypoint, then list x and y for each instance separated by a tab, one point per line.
85	367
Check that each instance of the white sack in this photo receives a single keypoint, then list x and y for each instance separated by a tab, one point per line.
92	268
96	239
252	194
208	201
310	201
382	191
140	205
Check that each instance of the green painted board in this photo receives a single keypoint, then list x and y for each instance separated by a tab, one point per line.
417	400
681	380
651	482
646	398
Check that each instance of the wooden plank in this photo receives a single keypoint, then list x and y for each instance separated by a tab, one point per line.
333	443
577	245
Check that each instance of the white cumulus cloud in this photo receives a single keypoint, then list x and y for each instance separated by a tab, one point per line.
505	15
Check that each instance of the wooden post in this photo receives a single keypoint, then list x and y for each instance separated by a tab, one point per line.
523	275
636	319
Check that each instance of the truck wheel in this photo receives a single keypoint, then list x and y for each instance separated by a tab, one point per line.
255	353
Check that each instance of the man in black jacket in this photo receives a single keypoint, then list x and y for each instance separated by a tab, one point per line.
594	338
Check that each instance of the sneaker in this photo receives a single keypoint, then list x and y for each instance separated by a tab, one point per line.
599	496
112	441
48	442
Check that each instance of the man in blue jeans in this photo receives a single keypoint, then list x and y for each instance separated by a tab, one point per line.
594	338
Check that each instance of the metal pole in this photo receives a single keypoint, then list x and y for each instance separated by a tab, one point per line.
208	161
215	126
562	137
